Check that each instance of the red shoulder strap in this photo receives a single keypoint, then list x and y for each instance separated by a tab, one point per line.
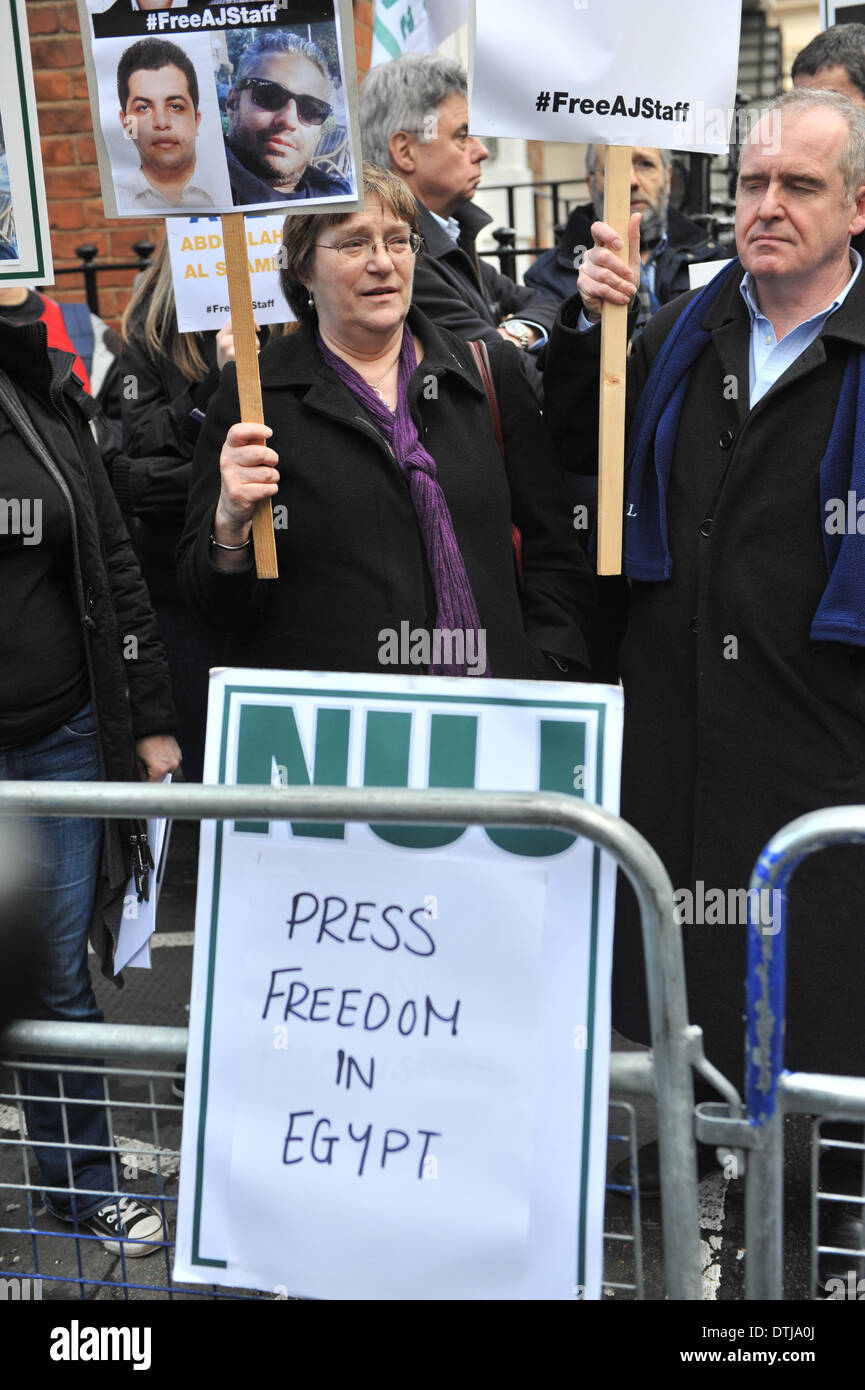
478	350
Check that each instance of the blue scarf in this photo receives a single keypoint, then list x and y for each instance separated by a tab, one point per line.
840	616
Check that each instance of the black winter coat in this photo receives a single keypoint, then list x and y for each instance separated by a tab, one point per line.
350	552
458	290
131	698
162	414
726	741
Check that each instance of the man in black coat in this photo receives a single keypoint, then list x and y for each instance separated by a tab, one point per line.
743	663
414	118
669	241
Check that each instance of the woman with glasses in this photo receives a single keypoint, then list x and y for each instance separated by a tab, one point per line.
393	503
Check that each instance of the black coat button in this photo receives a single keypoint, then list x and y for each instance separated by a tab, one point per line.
726	439
707	525
693	626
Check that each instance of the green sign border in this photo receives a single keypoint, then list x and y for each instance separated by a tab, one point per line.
403	697
30	271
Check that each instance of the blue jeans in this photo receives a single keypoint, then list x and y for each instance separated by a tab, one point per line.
62	874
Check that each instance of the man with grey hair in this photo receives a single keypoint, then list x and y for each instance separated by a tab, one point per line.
669	241
279	100
414	120
743	663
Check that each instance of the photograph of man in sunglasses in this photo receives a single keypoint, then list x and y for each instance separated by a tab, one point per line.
279	108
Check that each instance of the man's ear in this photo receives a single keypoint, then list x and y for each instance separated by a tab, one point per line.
129	125
231	100
857	221
401	149
197	121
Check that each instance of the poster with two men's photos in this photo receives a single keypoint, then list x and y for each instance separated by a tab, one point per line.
202	109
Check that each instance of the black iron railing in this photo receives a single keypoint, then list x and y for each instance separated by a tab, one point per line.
90	268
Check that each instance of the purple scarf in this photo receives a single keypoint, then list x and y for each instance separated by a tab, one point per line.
456	610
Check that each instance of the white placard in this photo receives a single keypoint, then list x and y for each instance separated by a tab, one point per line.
25	234
199	275
617	73
139	918
444	991
211	108
700	275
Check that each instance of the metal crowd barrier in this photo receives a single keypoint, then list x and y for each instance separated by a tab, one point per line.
664	1073
771	1091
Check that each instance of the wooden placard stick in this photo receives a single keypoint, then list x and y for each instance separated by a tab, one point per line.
614	350
248	381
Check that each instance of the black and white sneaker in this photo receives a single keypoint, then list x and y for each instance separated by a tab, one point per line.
128	1225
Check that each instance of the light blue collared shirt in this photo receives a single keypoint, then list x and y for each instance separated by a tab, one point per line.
770	358
448	224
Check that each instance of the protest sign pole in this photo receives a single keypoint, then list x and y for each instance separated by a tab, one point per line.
614	347
248	381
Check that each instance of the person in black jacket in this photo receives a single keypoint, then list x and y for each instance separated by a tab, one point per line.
84	695
669	241
393	504
168	380
414	118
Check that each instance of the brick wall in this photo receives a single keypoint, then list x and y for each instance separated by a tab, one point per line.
69	155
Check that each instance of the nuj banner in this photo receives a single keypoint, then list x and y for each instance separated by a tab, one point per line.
397	1076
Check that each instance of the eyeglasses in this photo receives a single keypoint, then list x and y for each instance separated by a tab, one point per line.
403	244
272	96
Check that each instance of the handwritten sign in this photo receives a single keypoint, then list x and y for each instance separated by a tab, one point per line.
398	1034
198	270
606	73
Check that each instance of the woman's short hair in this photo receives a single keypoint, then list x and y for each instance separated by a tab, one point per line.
300	234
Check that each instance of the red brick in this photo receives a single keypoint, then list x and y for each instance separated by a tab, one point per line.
68	18
72	118
66	215
85	149
58	153
94	213
57	52
363	15
52	86
70	184
43	19
79	84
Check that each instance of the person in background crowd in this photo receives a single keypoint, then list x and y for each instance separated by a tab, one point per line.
84	696
279	100
743	663
669	241
169	378
391	523
95	347
414	118
835	61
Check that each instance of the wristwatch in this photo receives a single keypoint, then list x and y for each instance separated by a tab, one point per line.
515	328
